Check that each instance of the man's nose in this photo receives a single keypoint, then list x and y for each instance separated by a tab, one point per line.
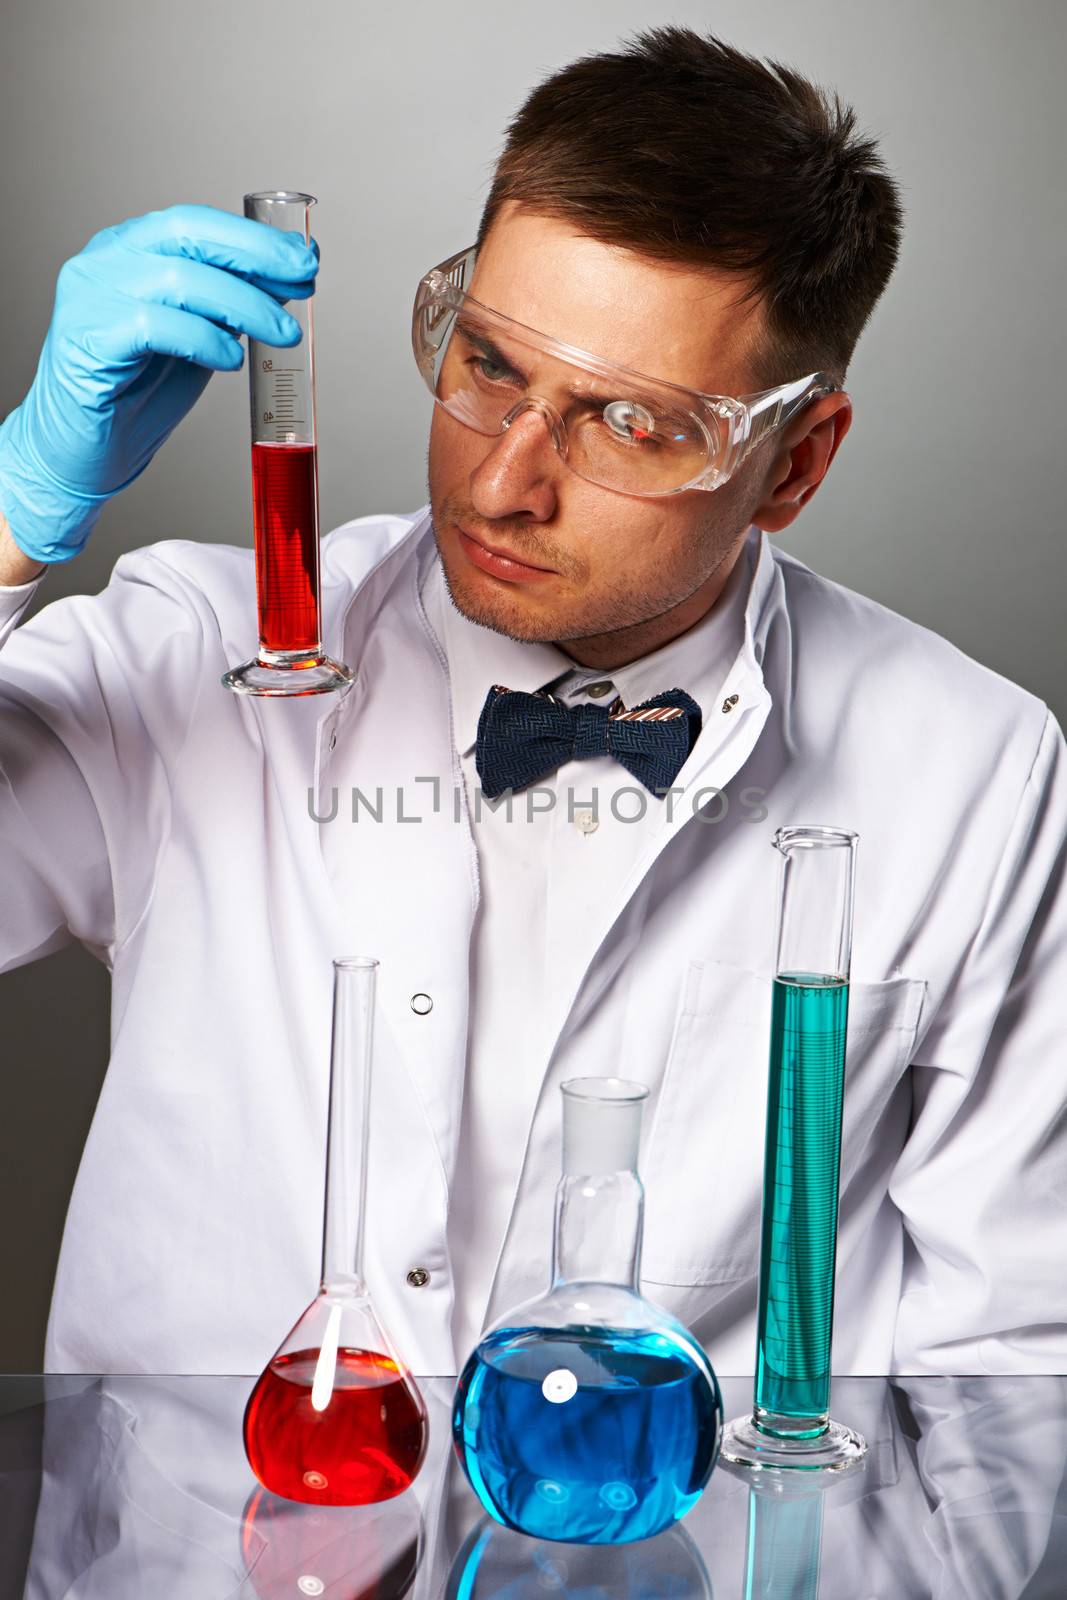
519	475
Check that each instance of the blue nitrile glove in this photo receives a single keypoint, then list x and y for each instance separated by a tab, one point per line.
143	316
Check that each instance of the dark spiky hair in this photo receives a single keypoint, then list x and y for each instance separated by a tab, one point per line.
685	150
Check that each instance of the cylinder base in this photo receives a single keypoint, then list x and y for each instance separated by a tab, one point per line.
274	674
837	1449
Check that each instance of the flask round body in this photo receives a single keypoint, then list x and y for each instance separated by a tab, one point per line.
588	1415
361	1441
595	1432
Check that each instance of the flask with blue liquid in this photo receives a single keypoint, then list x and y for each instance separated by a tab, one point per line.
590	1415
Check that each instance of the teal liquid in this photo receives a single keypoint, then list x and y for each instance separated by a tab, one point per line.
809	1015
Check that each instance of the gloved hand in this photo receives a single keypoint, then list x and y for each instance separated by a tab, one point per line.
143	316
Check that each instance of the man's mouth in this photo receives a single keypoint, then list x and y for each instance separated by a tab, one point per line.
498	562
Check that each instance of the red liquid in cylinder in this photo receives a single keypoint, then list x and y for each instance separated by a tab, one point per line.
367	1444
286	522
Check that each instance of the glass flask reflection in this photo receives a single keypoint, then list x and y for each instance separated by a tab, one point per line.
333	1552
589	1415
335	1418
496	1563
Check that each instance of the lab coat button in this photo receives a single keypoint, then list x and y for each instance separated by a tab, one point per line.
585	821
418	1277
421	1004
333	741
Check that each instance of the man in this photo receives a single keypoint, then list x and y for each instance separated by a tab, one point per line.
639	377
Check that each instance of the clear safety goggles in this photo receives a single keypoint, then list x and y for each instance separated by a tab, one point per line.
612	426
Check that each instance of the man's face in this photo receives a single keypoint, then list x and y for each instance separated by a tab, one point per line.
590	562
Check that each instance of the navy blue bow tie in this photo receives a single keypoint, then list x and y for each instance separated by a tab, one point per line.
522	736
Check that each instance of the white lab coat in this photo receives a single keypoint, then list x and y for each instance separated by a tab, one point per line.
166	824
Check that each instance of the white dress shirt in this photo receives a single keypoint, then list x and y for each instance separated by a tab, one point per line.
546	862
203	845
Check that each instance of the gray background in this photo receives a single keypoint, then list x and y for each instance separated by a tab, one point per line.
944	503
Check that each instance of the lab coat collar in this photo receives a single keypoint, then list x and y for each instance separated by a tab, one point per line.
745	679
368	594
727	738
696	660
478	657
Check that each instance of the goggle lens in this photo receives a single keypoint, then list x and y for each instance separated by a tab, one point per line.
631	442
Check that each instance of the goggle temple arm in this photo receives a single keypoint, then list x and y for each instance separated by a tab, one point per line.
776	407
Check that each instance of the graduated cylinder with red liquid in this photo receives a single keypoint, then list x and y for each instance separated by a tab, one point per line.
335	1418
285	494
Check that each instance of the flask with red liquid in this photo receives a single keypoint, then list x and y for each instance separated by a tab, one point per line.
285	495
335	1417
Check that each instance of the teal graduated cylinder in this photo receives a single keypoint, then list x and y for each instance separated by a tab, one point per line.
809	1017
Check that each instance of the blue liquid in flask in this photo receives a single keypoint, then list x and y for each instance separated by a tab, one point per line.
597	1435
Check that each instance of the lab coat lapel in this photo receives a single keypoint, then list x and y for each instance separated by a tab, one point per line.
727	739
398	852
729	734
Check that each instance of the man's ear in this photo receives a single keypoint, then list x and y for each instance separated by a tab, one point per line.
802	460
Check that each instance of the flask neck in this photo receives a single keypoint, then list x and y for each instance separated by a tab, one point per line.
599	1225
350	1099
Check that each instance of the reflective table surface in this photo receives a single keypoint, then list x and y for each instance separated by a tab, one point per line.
114	1487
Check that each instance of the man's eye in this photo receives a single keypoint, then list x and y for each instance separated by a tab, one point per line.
492	370
630	422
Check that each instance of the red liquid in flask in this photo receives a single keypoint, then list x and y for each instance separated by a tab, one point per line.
286	523
366	1445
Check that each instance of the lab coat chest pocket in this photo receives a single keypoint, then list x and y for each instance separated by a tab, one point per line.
703	1162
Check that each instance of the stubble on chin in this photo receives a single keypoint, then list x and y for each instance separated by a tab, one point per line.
619	608
481	600
614	614
497	612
